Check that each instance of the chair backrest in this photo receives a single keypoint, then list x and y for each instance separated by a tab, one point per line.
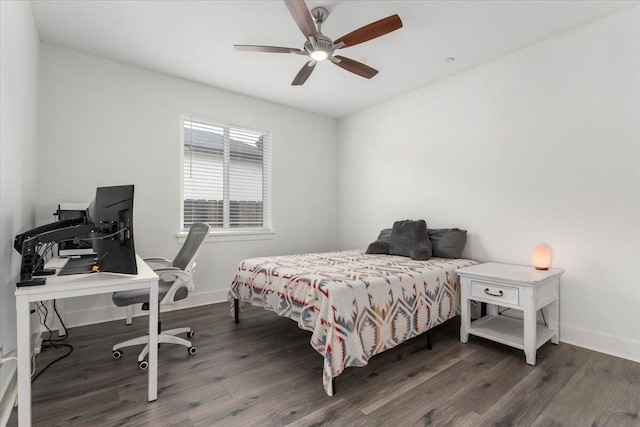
189	251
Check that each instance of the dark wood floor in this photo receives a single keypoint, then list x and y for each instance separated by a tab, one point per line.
264	372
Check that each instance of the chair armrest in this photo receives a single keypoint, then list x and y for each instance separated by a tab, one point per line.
182	278
157	260
173	271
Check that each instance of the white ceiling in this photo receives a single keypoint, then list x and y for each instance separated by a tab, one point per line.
194	40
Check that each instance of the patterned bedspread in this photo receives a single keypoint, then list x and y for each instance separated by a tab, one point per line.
355	305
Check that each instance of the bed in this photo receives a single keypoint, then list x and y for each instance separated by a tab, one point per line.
355	305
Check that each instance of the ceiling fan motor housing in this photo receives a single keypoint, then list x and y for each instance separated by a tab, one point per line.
322	43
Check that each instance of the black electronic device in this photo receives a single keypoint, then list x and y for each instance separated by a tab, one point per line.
44	272
108	225
111	212
29	243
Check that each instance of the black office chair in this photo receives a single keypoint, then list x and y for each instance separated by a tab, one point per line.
175	283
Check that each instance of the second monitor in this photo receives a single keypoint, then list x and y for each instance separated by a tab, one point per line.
112	237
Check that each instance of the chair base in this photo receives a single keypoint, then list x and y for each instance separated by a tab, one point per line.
166	337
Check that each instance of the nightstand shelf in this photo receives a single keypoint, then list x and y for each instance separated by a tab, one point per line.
508	331
517	287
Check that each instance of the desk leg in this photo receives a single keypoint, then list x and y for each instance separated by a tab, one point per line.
24	360
153	341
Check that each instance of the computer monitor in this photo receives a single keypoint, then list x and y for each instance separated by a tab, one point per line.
108	226
111	213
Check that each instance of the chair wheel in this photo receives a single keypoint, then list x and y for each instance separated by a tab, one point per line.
192	350
143	364
190	334
117	354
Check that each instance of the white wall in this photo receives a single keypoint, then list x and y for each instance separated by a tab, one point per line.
542	145
106	123
539	146
19	47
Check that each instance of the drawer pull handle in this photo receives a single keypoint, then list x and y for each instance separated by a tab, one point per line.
500	294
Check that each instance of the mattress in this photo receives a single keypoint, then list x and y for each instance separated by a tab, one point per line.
355	305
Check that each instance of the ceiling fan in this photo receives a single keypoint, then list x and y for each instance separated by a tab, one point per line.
320	47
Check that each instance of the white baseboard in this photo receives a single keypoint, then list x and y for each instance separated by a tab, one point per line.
107	314
603	343
8	397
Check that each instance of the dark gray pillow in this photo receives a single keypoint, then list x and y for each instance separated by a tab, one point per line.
385	235
378	247
406	236
448	242
421	252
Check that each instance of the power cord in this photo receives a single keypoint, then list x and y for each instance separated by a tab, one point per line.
50	342
48	248
69	346
543	319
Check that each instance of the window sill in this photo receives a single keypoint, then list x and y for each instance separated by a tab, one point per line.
232	235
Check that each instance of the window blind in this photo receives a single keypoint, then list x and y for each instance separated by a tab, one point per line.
226	176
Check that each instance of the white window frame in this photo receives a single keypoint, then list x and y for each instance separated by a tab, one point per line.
266	232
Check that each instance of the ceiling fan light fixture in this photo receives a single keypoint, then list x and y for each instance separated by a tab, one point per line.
319	55
320	47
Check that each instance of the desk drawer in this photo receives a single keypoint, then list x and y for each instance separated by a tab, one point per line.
497	293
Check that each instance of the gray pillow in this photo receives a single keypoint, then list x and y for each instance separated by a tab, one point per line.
385	235
448	242
421	252
378	247
410	238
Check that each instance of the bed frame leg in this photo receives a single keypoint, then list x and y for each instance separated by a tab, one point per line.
236	310
333	385
429	340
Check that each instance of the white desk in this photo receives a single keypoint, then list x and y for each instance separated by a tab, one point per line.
76	285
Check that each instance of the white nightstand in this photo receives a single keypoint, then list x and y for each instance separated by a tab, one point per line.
518	287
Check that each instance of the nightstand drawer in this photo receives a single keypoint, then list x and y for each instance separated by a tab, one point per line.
493	292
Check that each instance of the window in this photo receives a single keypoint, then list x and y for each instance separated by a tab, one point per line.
226	176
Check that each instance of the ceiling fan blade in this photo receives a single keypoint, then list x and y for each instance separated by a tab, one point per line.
271	49
355	67
300	13
304	73
371	31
